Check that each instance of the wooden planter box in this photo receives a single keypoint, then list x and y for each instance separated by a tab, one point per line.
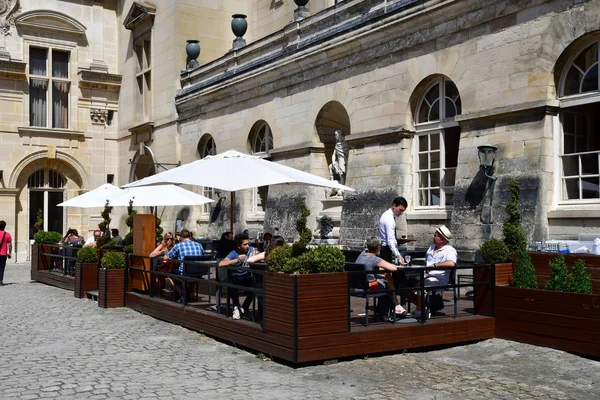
321	309
482	294
565	321
86	279
111	288
542	260
35	257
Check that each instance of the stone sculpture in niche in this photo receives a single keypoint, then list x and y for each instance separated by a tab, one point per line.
338	166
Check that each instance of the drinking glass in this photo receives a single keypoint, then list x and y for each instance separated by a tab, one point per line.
407	259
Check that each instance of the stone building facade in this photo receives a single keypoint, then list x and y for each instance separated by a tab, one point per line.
416	87
101	90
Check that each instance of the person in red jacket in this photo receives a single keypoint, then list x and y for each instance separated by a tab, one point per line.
5	249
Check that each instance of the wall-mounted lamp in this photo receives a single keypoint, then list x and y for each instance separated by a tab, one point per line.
487	155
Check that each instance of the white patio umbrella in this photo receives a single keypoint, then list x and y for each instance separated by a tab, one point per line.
159	195
233	171
152	196
94	198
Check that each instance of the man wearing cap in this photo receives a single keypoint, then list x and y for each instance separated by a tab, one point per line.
440	254
387	230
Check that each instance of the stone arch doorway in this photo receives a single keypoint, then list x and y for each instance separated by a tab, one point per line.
332	116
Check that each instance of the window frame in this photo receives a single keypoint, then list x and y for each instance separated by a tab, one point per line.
142	48
260	194
430	128
208	148
567	104
50	79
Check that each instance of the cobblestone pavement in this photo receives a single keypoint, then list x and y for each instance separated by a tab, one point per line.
56	346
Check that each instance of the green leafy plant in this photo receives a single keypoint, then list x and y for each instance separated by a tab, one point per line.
104	226
39	221
128	239
87	255
560	277
580	280
128	249
494	251
110	244
298	259
514	237
113	260
44	237
524	274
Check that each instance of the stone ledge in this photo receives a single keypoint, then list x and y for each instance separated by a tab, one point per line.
297	150
429	215
391	133
575	213
55	132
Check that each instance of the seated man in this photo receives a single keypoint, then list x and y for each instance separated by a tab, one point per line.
241	277
373	264
91	242
440	254
186	247
115	235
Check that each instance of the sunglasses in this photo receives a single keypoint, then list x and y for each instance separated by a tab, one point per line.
169	239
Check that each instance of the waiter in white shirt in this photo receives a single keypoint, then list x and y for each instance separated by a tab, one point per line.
387	230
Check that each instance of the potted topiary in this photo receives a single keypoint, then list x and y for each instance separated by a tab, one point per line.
41	245
495	251
111	280
86	272
298	280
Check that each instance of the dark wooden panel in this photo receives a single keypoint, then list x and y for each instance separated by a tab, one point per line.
551	320
575	333
315	304
279	314
54	279
482	294
323	291
323	328
328	279
285	303
556	343
504	273
323	316
393	343
280	279
241	332
547	296
273	325
278	290
392	332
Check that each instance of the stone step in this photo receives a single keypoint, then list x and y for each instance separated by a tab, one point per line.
92	295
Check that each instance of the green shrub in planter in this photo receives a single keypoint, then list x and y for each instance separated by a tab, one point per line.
560	277
128	249
494	251
43	237
524	274
87	255
113	260
580	280
514	237
111	244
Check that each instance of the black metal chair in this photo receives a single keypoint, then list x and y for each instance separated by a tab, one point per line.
197	267
434	299
358	285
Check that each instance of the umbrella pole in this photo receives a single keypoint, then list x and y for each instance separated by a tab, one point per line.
231	216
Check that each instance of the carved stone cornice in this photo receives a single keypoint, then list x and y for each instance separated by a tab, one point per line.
142	133
9	10
139	12
99	79
11	69
386	135
98	116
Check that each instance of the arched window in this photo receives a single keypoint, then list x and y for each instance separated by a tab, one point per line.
436	143
579	123
207	147
263	140
262	144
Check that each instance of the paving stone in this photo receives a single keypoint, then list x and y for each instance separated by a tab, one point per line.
57	346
